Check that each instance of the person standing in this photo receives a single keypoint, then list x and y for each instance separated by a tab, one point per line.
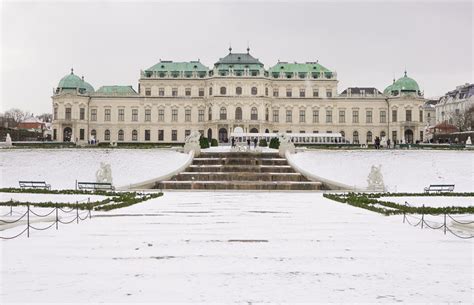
233	141
255	141
248	143
388	143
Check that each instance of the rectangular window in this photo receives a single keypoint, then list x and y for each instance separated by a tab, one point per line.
147	135
276	115
289	116
187	115
55	133
174	135
210	90
315	131
383	116
93	114
421	136
161	91
82	114
187	132
187	91
302	116
81	134
288	92
275	92
368	116
174	92
107	115
201	115
394	136
342	116
408	116
421	117
121	115
302	93
201	91
315	93
161	115
328	94
328	116
315	116
394	116
161	135
147	91
174	115
147	115
355	116
55	114
68	113
134	115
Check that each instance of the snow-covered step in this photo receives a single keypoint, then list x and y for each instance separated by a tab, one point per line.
238	176
240	185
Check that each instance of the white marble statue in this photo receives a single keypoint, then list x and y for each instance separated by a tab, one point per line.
375	179
191	143
469	141
285	144
104	173
8	140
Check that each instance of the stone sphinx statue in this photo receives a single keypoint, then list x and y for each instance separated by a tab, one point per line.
104	173
191	143
285	144
375	179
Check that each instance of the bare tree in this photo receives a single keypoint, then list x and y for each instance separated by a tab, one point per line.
464	120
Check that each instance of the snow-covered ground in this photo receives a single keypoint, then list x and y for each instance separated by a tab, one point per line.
403	170
226	247
432	201
38	198
62	167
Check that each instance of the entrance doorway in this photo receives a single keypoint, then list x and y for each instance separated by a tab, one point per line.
67	134
409	136
223	135
254	130
209	134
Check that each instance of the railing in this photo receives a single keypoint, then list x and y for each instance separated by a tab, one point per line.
74	211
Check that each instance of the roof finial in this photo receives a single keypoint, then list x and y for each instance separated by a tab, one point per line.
405	72
230	48
248	47
82	77
72	70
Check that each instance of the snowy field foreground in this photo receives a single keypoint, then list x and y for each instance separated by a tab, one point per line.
225	247
62	167
403	170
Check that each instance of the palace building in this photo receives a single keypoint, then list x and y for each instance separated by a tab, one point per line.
174	98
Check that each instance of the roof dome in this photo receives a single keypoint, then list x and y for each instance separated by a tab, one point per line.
406	83
72	81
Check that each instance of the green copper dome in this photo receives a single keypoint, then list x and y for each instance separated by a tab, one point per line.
72	81
406	83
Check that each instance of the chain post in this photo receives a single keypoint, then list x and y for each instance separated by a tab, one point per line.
57	218
77	212
11	210
28	220
444	223
422	216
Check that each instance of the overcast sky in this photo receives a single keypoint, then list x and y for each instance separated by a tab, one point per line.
367	43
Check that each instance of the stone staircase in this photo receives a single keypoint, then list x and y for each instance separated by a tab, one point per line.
239	171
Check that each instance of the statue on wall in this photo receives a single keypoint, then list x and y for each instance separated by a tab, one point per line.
104	173
285	144
375	179
191	143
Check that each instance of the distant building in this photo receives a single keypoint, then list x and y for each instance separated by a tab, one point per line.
454	103
174	98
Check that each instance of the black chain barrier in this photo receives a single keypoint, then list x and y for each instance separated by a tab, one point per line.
77	217
422	222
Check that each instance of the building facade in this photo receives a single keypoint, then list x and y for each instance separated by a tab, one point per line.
454	105
174	98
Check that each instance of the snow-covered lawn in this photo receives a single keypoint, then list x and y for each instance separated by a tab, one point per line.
403	170
62	167
38	198
226	247
432	201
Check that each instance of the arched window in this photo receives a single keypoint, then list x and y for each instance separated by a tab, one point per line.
254	90
223	90
210	114
238	90
254	114
120	135
94	134
369	136
107	135
382	134
134	135
343	134
223	113
238	113
267	114
355	137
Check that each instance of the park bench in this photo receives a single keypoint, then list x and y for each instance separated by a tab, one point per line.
439	188
95	186
34	185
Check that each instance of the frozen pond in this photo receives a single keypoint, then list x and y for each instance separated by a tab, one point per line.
403	170
62	167
233	247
